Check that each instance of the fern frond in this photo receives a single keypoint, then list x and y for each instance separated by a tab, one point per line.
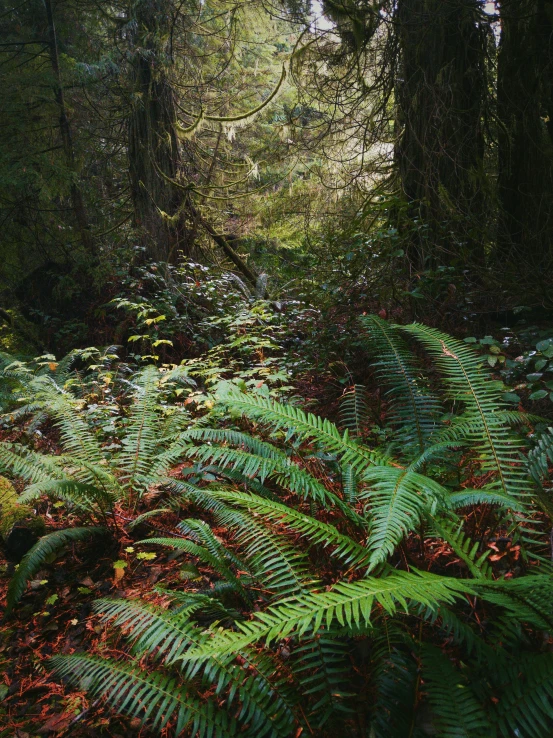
484	496
236	438
76	437
277	564
397	500
200	531
153	697
541	457
523	703
304	426
354	410
322	667
468	383
141	440
347	603
458	711
28	464
527	599
265	697
35	558
346	549
147	515
216	562
85	496
396	691
350	484
278	467
414	410
451	531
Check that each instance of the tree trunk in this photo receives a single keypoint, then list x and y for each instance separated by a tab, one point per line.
153	144
440	93
525	110
77	201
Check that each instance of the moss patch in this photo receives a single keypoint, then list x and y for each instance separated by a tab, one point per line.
12	512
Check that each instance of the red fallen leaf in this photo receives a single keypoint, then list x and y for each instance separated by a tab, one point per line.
56	723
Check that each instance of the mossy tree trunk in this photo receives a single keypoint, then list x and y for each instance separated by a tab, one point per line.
153	145
440	97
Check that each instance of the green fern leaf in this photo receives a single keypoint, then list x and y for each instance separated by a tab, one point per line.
467	383
152	697
35	558
397	500
414	410
457	710
346	549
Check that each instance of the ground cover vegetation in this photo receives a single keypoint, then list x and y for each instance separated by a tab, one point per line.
276	368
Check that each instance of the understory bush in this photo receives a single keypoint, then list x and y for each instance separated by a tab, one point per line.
378	579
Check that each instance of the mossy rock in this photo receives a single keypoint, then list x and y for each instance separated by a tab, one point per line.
8	495
11	515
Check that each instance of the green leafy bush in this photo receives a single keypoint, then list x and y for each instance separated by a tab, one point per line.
333	610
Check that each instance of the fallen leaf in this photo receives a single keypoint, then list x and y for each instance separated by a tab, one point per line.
56	723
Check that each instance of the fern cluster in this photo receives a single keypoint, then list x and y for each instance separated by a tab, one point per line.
92	474
329	612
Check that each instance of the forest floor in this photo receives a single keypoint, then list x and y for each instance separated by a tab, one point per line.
55	616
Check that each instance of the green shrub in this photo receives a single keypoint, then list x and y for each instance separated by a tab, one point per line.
331	623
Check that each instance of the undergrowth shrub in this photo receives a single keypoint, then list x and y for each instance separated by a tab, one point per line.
395	590
112	453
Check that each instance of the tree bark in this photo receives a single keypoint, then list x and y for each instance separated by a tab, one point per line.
153	143
525	111
440	94
77	201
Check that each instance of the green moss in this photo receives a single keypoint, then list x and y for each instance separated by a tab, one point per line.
8	495
12	512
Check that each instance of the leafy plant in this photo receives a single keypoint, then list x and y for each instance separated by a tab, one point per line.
94	474
334	623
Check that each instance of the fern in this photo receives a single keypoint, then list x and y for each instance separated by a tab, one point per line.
451	532
467	383
266	700
310	622
345	548
350	484
524	690
87	496
76	436
397	500
458	711
354	411
36	557
321	666
141	440
347	603
414	410
304	426
218	562
541	457
152	697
